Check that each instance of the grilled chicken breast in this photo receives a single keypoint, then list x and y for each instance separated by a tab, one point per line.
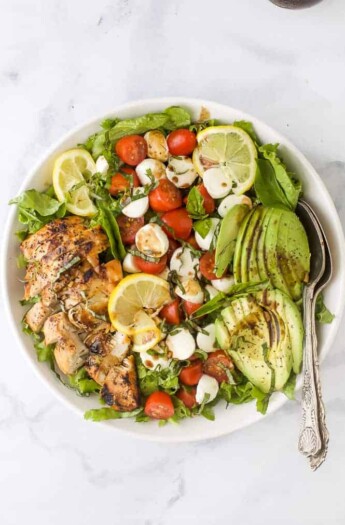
120	389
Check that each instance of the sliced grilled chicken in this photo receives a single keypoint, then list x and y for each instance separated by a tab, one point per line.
107	350
37	316
120	389
70	352
56	247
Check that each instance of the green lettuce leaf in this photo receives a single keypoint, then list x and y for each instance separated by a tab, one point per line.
244	392
290	188
102	414
163	379
289	387
322	314
82	382
248	128
267	187
35	209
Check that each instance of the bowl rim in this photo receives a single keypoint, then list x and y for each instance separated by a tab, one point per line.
94	121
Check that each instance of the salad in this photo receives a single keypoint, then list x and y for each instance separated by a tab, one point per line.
165	266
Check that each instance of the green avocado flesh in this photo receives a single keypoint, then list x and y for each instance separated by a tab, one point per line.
272	245
263	333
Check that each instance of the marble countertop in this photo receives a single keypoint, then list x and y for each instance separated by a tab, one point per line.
63	62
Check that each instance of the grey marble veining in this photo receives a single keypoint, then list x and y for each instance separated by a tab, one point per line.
63	62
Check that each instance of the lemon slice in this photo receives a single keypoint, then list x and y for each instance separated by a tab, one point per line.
133	294
231	152
70	170
146	333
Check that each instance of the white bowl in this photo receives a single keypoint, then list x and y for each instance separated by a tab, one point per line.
234	417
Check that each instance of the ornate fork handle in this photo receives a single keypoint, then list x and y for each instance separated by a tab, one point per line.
310	440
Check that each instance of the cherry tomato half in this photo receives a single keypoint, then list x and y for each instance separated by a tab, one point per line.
187	396
131	149
190	375
171	312
165	197
190	308
151	267
180	222
181	142
121	183
192	241
216	365
129	227
209	204
207	266
159	405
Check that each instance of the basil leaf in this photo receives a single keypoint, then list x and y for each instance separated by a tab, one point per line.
212	305
195	204
203	227
322	314
267	188
291	190
108	222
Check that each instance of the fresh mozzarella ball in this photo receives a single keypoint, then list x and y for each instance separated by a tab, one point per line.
224	284
181	172
230	201
157	147
151	240
155	168
207	343
138	207
152	362
102	165
205	242
207	385
184	262
164	274
217	183
192	291
181	344
129	265
212	291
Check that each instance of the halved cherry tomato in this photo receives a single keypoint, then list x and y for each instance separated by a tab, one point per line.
180	222
187	396
131	149
207	266
171	312
165	197
151	267
129	227
181	142
190	308
209	204
191	374
216	365
159	405
121	183
192	241
173	245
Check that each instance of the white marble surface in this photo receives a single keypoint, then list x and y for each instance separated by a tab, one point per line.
62	62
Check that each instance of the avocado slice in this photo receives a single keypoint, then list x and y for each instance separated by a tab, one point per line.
238	248
252	264
280	353
222	334
266	217
247	243
284	259
228	233
289	313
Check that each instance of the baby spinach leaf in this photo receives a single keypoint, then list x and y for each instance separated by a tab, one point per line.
195	204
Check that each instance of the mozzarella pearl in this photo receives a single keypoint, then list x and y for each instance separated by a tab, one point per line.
181	344
138	207
207	385
217	183
230	201
205	242
224	284
207	343
184	262
157	147
129	265
151	240
152	362
192	291
181	172
155	168
102	165
212	291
